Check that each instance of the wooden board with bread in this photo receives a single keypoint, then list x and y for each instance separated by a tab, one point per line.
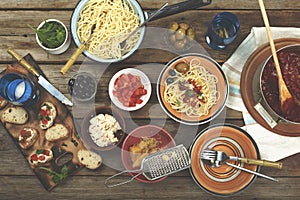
45	134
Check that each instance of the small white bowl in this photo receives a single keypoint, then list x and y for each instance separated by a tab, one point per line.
144	80
62	48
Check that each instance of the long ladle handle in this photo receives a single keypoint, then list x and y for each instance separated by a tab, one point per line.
180	7
269	33
146	21
283	90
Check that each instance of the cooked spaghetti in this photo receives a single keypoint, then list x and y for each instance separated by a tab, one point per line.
114	20
192	93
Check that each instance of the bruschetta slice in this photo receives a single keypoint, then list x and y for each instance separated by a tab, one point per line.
47	115
27	137
40	156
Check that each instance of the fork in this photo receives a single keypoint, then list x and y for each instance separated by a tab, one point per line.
222	157
212	160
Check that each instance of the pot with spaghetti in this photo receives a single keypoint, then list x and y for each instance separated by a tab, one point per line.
192	89
111	21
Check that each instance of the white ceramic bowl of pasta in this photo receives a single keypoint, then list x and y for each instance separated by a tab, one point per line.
90	21
192	89
123	100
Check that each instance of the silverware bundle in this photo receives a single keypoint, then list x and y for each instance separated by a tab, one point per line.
217	158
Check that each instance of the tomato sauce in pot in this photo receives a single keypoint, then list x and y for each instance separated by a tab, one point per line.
290	68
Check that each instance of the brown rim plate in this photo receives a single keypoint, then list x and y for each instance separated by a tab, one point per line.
250	89
223	180
222	87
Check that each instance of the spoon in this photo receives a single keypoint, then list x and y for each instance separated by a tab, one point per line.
286	100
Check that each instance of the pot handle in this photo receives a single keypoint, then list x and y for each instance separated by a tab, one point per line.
179	7
265	115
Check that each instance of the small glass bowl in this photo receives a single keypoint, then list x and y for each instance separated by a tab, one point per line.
180	36
83	86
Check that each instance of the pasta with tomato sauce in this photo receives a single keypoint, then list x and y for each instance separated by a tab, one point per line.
193	92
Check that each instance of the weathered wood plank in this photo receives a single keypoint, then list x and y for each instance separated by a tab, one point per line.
17	181
92	187
17	34
147	4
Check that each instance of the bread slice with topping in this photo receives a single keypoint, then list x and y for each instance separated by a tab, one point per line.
89	159
47	115
56	132
40	156
15	115
27	137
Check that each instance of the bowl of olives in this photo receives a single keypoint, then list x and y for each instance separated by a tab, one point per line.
180	36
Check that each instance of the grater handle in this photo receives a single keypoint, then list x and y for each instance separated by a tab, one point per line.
138	171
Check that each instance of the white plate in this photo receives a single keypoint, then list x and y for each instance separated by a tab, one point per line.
145	81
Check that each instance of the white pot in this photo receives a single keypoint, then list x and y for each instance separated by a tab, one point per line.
62	48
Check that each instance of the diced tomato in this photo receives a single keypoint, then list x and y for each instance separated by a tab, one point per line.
139	101
43	112
48	111
23	133
34	157
44	121
139	92
42	157
47	153
129	89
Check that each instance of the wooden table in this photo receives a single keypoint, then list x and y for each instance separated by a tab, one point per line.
17	181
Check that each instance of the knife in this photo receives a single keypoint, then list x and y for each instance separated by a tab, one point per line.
41	80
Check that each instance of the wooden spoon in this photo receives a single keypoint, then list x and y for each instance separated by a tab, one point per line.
285	96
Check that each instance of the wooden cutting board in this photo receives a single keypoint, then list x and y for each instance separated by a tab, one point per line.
64	151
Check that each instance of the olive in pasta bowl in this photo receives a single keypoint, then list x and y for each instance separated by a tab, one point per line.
192	89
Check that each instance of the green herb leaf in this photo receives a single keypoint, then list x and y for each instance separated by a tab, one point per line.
57	177
74	142
40	151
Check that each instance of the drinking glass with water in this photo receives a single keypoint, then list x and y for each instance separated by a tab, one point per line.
222	30
18	89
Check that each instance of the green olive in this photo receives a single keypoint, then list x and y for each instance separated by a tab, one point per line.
172	38
184	26
173	27
191	34
179	45
180	34
182	67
